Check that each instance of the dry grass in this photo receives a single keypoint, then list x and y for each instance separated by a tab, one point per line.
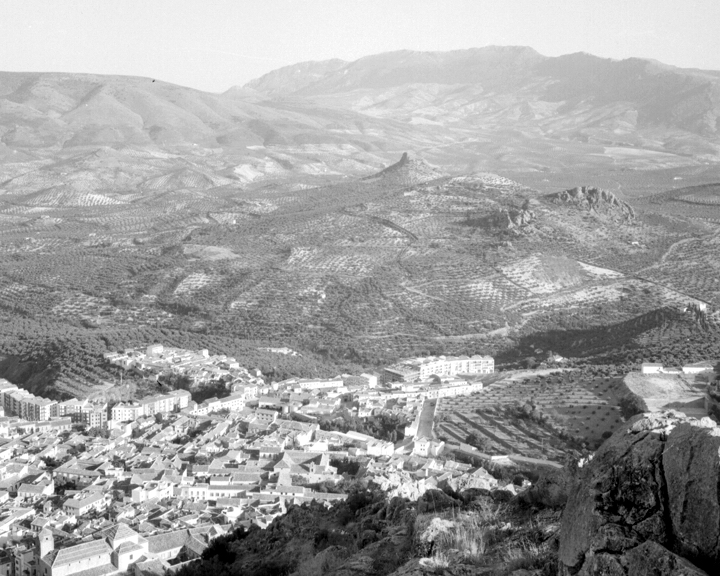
466	538
529	556
436	563
469	538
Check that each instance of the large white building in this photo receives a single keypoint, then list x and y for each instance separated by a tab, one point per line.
414	369
19	402
159	404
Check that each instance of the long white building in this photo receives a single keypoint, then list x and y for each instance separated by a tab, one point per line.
414	369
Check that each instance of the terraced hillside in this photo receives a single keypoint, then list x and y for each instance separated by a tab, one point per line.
566	405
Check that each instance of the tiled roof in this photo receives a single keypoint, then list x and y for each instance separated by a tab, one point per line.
97	571
66	556
31	488
118	532
167	541
195	545
152	567
127	547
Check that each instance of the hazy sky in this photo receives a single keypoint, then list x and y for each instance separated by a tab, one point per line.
215	44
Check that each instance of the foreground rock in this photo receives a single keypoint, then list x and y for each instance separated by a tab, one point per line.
648	502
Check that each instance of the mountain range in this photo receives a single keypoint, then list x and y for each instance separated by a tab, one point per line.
502	109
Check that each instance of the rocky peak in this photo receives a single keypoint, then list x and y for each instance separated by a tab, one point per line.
408	171
593	199
648	502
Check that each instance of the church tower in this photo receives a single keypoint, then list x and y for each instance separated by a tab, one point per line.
46	542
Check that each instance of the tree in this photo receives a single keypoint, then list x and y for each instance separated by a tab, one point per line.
480	442
631	404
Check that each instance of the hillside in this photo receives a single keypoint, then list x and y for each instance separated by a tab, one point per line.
357	272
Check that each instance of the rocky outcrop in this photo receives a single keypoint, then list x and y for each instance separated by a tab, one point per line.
512	218
593	199
648	502
408	171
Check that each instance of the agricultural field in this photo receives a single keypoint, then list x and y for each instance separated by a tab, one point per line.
580	406
691	266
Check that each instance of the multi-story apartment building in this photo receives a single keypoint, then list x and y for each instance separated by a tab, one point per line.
6	388
19	402
181	398
414	369
126	412
72	408
36	408
95	416
234	402
159	404
14	402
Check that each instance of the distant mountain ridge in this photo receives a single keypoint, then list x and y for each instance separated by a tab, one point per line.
685	98
516	95
494	109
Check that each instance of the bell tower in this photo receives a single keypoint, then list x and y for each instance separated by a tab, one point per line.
46	542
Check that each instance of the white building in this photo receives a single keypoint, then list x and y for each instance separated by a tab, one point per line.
651	368
423	368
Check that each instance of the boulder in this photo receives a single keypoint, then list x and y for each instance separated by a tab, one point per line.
648	502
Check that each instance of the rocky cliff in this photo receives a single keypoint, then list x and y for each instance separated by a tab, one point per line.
593	199
648	502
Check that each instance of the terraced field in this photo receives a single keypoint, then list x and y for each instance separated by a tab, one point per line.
584	408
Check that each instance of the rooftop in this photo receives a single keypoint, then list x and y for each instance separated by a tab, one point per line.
66	556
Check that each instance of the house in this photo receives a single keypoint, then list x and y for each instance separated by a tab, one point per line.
36	491
426	447
82	503
81	472
152	490
266	416
302	432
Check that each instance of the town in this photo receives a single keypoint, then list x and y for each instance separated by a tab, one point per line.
97	487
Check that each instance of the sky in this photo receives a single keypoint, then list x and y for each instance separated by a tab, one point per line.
215	44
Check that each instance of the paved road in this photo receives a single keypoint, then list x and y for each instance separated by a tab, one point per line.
425	426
